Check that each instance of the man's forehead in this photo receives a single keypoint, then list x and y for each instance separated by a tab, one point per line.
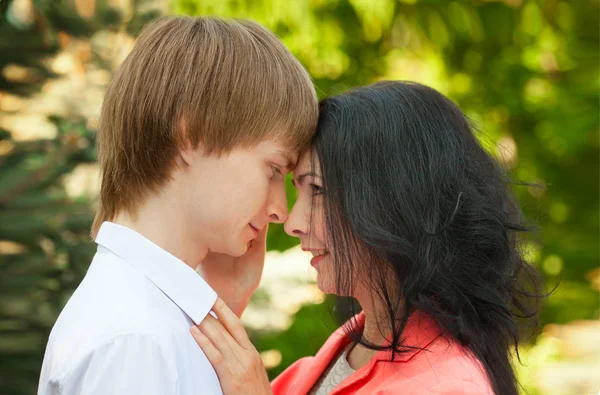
288	156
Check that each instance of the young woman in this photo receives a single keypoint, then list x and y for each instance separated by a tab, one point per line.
405	212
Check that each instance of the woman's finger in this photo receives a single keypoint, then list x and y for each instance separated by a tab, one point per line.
214	356
232	323
249	378
220	338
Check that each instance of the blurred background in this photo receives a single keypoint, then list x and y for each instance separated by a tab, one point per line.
526	71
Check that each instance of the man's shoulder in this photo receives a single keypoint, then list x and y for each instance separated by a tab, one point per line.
101	312
117	315
115	298
64	355
98	363
99	308
170	357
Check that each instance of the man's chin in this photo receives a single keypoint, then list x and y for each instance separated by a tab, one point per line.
240	249
233	250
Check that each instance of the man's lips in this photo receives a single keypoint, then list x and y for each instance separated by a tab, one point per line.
254	229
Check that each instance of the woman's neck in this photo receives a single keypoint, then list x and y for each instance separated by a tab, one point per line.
375	331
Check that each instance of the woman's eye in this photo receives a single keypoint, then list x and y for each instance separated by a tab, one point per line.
276	170
316	189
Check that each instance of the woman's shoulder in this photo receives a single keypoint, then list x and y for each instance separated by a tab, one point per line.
456	364
443	367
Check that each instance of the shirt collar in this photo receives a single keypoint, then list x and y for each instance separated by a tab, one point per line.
420	331
186	288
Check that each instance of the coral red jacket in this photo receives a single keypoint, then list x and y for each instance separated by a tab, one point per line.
444	367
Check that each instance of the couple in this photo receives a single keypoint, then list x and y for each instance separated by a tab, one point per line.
399	204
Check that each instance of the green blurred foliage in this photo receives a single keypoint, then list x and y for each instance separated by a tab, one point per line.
526	71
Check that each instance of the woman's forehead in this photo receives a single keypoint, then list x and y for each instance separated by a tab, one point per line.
306	163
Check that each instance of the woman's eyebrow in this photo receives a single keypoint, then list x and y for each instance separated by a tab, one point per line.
305	175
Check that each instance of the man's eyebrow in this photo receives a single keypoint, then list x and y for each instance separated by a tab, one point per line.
290	162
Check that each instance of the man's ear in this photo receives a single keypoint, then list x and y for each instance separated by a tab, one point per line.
186	149
188	153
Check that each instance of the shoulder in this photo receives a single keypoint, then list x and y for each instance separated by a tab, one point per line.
122	347
454	363
459	386
133	355
443	367
130	304
449	386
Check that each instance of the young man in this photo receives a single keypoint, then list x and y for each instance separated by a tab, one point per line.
197	130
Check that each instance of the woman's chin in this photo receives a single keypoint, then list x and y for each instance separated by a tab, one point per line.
325	286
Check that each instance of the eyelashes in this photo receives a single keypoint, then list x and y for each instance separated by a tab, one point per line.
275	170
316	189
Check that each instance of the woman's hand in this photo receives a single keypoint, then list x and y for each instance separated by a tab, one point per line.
236	278
227	347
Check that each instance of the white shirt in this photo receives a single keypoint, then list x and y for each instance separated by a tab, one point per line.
126	328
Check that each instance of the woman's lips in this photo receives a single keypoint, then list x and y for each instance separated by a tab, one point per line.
316	259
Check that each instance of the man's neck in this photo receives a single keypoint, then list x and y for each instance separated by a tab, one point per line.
160	221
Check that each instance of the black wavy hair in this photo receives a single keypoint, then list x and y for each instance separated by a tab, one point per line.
415	204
